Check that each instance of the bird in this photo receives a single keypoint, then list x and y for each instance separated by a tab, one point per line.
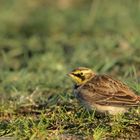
102	93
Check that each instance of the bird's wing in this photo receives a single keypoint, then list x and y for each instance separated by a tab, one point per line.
104	90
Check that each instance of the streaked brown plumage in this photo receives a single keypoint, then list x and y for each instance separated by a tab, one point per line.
102	92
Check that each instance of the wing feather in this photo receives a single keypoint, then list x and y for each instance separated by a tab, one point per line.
104	90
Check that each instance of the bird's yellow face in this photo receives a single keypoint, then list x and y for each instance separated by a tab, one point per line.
81	75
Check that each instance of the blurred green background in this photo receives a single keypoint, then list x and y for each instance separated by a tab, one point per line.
42	40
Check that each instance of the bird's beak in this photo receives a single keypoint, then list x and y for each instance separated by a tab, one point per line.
70	74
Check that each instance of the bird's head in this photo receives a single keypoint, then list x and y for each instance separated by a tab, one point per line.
81	75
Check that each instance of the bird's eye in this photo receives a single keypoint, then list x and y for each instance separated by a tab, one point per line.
81	73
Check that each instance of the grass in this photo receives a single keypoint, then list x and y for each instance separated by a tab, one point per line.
40	42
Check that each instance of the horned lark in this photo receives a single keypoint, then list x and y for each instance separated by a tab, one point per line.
103	93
